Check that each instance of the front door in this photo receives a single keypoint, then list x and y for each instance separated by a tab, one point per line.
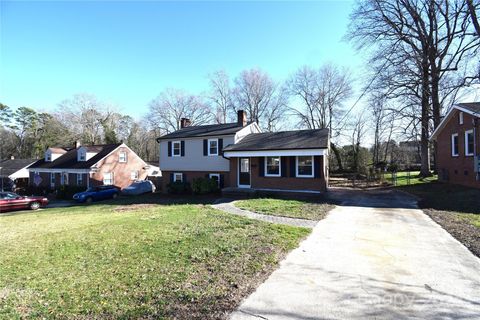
244	172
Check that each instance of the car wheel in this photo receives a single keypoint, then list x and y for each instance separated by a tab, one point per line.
89	200
34	205
115	196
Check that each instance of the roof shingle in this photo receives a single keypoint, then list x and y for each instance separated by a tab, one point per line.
204	131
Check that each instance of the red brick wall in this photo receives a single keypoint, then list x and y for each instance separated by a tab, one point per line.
190	175
459	169
121	171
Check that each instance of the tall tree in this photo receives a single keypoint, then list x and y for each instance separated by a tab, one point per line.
221	95
166	111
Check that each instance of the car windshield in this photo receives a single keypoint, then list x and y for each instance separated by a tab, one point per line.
91	189
10	195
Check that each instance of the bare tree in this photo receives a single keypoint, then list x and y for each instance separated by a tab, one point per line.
472	11
261	96
221	95
166	111
320	96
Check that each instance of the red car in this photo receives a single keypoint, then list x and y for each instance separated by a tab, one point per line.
12	201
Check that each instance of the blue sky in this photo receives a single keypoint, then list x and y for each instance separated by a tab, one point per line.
126	53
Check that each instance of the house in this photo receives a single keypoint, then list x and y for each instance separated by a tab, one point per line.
457	139
84	166
14	173
240	155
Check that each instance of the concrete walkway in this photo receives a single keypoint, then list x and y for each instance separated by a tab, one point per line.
373	257
228	206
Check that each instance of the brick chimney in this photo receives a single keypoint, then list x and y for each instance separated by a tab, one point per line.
185	122
242	118
12	157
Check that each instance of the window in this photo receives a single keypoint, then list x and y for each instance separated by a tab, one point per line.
305	166
122	157
79	179
48	157
134	175
176	148
469	146
82	156
64	179
213	147
455	145
177	177
272	166
460	118
52	178
216	177
108	178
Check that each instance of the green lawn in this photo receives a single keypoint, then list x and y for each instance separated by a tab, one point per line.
286	208
134	261
403	179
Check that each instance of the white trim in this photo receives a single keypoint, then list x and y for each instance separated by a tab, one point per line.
279	174
303	175
78	180
467	132
53	181
175	176
460	117
452	144
112	178
249	171
59	170
208	147
179	148
120	157
447	117
210	175
271	153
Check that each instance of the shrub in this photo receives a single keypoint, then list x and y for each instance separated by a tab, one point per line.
204	185
178	187
67	192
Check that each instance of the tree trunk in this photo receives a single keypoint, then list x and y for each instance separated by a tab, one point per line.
337	156
425	159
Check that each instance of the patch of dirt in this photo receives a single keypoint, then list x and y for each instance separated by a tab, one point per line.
133	207
460	229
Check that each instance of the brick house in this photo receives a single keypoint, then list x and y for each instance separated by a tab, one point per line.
239	155
457	139
85	166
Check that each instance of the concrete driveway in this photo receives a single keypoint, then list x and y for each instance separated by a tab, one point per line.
373	257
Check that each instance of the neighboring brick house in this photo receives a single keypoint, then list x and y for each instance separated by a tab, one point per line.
239	155
457	139
84	166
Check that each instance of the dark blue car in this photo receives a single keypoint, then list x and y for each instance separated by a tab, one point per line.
96	194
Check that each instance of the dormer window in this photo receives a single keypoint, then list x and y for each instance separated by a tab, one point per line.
48	157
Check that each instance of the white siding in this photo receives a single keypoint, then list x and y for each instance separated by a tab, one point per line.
194	160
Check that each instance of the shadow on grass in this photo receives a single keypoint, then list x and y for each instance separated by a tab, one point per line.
446	197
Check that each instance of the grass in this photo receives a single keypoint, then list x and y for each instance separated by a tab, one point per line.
454	207
134	261
403	179
286	208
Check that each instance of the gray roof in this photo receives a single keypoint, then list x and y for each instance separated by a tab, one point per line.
285	140
204	131
471	106
69	159
11	166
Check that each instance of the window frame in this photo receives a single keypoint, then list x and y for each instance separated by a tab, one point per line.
48	157
53	179
312	175
279	174
179	149
210	175
79	181
208	151
452	145
112	179
460	117
175	174
132	177
467	132
120	153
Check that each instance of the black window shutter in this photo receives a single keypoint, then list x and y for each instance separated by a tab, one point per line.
220	146
317	166
171	177
182	148
292	167
205	147
261	166
283	166
222	179
184	177
169	148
